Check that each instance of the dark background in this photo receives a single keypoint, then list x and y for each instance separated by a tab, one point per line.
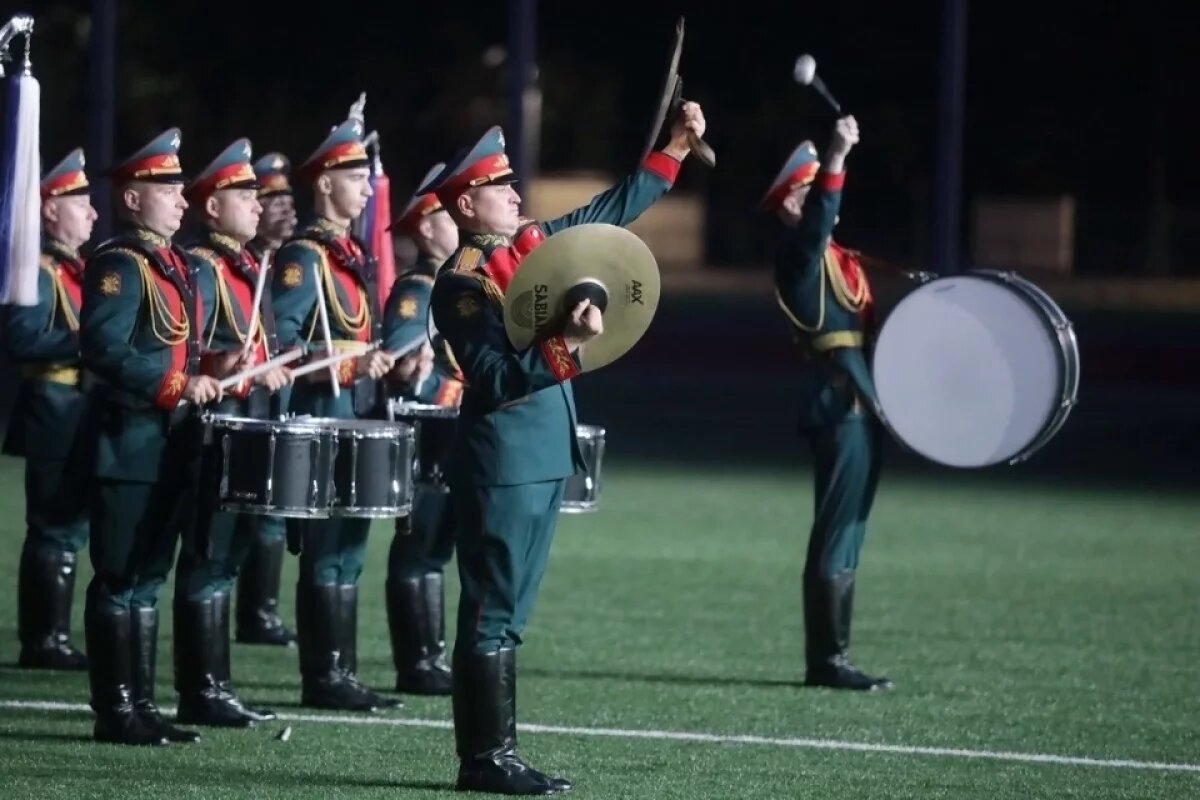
1089	100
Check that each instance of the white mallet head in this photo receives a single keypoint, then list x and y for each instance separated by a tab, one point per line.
805	70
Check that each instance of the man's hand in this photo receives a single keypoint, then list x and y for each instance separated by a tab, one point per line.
414	367
845	136
202	389
584	324
275	379
689	121
375	365
231	363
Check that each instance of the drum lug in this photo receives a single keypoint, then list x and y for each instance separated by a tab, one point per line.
224	489
269	500
354	470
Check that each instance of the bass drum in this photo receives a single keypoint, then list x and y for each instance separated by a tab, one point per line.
976	369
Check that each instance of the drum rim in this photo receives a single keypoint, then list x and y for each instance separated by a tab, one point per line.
433	410
1063	331
238	423
1055	322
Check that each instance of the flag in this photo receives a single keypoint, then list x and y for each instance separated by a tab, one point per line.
378	217
20	194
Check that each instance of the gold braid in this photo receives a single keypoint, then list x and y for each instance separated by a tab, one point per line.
225	304
851	301
161	319
339	317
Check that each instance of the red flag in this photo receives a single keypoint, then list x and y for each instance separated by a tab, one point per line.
378	237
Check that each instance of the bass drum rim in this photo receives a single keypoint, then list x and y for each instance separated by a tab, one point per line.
1061	331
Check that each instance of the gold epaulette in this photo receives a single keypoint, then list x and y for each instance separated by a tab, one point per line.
208	255
490	288
166	327
468	259
311	245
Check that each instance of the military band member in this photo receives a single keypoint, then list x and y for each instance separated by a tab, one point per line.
424	540
824	292
516	440
224	198
139	336
47	424
332	550
257	615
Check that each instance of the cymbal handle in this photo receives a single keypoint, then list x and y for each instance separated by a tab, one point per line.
586	290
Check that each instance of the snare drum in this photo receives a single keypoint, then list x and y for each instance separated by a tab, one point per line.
372	468
976	369
582	492
281	468
434	427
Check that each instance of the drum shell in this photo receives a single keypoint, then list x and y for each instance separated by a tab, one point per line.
581	494
372	469
275	468
434	428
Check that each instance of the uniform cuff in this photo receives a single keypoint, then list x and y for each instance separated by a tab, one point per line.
347	370
170	390
832	181
450	393
662	165
529	236
562	363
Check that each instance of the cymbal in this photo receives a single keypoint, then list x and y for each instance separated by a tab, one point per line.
606	264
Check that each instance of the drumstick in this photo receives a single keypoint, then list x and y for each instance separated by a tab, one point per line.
323	313
260	284
259	369
333	360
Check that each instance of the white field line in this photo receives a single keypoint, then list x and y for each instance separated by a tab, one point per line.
703	738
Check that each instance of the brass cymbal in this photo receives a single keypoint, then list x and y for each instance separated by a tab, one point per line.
604	263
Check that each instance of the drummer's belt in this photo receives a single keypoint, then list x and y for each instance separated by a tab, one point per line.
825	343
52	373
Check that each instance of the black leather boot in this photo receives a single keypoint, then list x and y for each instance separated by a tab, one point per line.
223	675
323	681
347	627
46	589
258	620
414	610
828	605
485	728
143	646
110	676
198	656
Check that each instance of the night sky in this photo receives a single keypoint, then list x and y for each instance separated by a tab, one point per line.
1061	97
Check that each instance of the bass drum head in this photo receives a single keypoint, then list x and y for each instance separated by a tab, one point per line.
969	370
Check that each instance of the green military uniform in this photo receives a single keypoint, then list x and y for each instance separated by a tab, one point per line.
47	429
332	551
514	449
824	293
424	540
139	338
257	615
215	548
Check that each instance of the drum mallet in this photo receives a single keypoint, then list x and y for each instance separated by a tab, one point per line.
805	73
